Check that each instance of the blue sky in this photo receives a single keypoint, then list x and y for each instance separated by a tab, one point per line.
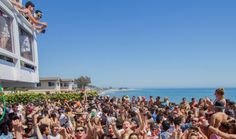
140	43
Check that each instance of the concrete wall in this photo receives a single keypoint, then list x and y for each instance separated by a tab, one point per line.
15	71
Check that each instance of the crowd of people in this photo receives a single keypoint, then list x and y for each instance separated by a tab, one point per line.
102	117
32	15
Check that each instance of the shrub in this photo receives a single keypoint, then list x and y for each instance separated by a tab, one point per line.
27	97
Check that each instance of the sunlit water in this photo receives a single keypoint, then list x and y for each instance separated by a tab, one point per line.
175	95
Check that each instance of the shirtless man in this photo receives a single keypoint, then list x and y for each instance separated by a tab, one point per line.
46	120
219	115
28	11
38	16
219	132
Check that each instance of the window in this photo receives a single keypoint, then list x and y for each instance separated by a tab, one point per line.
27	66
51	84
66	84
26	44
39	84
6	59
5	31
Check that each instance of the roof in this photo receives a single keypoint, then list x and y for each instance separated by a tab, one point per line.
67	80
55	79
49	79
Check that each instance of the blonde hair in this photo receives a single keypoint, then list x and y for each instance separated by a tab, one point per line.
220	91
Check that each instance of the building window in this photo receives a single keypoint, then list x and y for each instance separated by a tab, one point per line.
66	84
27	66
26	44
51	83
6	59
5	31
39	84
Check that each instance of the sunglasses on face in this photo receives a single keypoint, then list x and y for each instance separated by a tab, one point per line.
80	130
39	15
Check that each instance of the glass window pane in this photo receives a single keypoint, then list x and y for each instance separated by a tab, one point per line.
5	31
26	45
51	84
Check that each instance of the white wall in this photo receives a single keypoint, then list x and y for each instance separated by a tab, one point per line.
70	87
44	85
14	72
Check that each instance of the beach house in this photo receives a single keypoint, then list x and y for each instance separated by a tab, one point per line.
54	84
18	49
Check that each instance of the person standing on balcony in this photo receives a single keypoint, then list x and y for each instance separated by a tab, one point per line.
4	31
28	13
38	15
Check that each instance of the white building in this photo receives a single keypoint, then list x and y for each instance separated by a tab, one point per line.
54	84
18	49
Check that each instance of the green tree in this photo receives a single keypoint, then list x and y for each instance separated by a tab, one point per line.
82	82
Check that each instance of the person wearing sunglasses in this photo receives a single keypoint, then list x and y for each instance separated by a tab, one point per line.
28	13
80	133
38	16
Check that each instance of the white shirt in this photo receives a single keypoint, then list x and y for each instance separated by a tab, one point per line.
56	137
8	136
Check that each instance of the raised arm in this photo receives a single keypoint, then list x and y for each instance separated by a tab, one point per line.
141	126
36	110
33	20
17	125
202	134
221	134
115	130
184	135
36	126
90	128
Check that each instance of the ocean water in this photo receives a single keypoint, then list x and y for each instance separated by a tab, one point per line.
174	95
